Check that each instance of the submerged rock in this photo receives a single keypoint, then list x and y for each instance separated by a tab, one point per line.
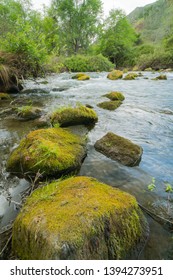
51	152
161	77
28	112
79	218
115	75
115	95
81	77
110	105
73	116
120	149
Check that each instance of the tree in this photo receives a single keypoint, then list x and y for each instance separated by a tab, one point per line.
118	38
77	21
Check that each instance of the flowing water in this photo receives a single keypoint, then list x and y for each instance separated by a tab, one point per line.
145	117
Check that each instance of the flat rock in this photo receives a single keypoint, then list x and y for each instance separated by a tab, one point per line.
120	149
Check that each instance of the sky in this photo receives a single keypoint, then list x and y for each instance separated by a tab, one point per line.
126	5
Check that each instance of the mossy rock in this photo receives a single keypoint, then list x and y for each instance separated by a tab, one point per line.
4	96
115	75
78	218
120	149
28	112
73	116
52	152
115	95
149	69
110	105
160	77
81	77
130	76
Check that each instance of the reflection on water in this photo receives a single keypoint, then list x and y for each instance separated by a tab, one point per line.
145	117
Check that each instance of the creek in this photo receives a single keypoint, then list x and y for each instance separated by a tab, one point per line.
145	118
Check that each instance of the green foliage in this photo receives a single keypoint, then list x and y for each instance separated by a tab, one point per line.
160	59
77	23
152	186
81	63
117	39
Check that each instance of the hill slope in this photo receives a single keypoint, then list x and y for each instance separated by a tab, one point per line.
153	21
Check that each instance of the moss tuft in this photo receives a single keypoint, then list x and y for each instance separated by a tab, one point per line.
28	112
78	218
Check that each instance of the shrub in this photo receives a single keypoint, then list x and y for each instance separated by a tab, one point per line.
81	63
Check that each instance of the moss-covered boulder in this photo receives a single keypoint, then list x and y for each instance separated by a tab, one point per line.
115	95
110	105
161	77
78	218
115	75
28	112
81	77
73	116
149	69
52	152
4	96
130	76
119	148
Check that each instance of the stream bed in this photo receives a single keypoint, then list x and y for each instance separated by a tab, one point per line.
145	118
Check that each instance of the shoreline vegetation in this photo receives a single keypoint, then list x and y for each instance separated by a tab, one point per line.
34	45
45	43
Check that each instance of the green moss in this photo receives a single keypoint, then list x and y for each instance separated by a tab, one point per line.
115	75
131	76
67	116
160	77
78	218
4	96
115	95
81	77
52	151
110	105
28	112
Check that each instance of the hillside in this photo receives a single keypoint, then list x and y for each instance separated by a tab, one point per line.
153	21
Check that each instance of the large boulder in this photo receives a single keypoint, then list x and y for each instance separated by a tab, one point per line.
73	116
115	75
119	148
79	218
110	105
52	152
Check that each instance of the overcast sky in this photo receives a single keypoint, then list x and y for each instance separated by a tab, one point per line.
126	5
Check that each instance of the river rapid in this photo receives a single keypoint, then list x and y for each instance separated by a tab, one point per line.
145	118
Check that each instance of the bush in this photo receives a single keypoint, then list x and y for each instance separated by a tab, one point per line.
159	60
81	63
